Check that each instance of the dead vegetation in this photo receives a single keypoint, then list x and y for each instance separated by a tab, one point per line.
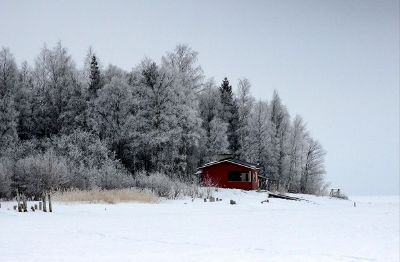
106	196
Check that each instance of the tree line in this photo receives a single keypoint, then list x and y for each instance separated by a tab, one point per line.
67	127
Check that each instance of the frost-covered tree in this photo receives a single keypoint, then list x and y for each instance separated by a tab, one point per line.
84	73
8	113
279	123
214	129
89	161
313	169
101	128
24	102
209	104
183	60
245	103
39	174
217	141
112	71
157	130
258	138
6	172
54	78
298	136
113	112
75	114
188	79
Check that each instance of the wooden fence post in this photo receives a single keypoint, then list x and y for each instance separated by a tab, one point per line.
50	207
25	204
18	202
44	203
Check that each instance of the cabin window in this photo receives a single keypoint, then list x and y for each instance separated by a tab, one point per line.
235	176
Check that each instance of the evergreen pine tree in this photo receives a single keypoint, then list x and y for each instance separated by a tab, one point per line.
226	100
94	84
230	115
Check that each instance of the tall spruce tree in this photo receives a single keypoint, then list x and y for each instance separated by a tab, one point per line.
95	81
226	100
230	115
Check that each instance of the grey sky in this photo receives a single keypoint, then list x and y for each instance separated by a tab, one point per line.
336	63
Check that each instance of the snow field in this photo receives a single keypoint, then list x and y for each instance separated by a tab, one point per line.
181	230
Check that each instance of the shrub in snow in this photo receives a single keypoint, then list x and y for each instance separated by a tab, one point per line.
79	160
112	176
35	175
91	163
6	171
165	186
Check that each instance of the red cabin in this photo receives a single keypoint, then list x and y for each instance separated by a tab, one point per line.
230	173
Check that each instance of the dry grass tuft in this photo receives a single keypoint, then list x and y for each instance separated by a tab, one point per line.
106	196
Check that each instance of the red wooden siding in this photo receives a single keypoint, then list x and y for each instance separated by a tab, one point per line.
217	174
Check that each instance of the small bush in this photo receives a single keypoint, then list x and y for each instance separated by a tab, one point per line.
6	171
41	173
91	164
165	186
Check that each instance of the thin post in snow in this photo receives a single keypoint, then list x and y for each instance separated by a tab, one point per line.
25	204
50	206
44	203
18	202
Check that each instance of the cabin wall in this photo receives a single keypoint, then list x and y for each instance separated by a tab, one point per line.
218	175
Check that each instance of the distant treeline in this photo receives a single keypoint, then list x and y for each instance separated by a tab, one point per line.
65	127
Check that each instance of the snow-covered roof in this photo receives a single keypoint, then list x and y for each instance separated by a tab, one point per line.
233	161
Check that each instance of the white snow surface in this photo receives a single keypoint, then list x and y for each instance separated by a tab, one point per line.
322	229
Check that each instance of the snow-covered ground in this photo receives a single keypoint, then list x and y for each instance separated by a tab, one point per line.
181	230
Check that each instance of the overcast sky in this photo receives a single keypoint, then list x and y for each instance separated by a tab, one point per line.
336	63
